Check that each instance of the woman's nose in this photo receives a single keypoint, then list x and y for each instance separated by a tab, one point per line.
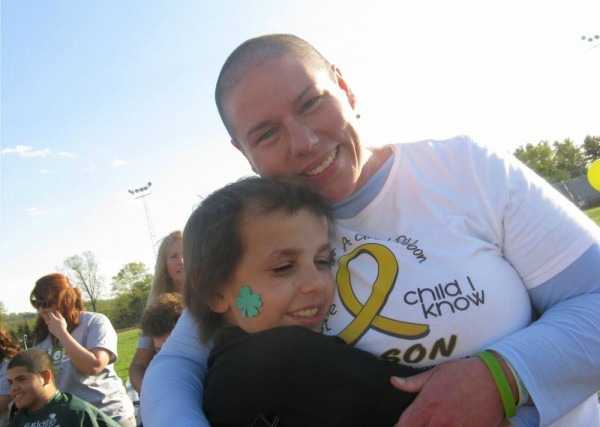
302	138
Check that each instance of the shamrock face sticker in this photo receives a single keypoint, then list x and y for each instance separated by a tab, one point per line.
248	302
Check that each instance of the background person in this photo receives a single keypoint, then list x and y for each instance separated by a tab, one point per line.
160	318
168	277
461	230
82	345
40	403
8	350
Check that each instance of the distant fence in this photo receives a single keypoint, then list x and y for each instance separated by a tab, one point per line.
579	191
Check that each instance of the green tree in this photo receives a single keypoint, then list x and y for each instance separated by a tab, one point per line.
130	275
557	162
569	159
540	158
2	313
130	287
591	148
22	332
82	270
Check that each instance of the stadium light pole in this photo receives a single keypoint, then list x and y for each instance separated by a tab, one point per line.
142	193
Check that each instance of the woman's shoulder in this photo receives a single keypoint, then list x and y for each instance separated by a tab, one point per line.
93	318
454	142
458	150
92	315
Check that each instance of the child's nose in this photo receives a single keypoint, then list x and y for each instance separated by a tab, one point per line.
313	281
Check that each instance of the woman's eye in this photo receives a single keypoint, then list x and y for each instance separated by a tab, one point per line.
267	135
310	103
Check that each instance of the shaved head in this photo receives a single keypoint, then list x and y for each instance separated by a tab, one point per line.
255	52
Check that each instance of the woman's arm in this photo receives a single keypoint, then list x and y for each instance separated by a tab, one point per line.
172	391
558	356
137	369
87	361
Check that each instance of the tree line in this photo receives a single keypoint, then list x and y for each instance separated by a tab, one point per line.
560	161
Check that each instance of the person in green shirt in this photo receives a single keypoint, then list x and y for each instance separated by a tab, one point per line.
38	400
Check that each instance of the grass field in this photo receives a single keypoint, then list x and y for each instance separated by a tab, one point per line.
594	213
127	343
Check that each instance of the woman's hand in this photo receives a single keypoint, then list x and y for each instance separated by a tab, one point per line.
57	325
460	393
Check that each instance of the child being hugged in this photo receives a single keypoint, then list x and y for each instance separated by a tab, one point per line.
258	283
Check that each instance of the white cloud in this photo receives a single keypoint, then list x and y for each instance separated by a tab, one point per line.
45	171
26	151
66	154
117	163
17	149
35	211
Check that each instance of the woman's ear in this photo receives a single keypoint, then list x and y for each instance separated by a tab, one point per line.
343	85
218	303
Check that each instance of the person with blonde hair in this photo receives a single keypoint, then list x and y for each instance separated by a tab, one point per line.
168	277
82	345
168	271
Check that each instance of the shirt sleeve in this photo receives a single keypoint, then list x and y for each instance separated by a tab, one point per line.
173	390
558	356
100	333
145	342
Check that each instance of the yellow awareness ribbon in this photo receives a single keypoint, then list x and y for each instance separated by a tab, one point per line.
367	315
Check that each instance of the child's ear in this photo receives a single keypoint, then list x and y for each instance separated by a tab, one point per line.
218	303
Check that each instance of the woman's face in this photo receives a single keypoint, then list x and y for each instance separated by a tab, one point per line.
175	263
44	305
294	122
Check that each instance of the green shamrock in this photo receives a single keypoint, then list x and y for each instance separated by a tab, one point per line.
248	302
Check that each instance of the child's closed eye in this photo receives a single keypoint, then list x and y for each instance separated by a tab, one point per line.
324	263
284	268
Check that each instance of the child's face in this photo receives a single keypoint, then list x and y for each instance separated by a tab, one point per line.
160	341
286	262
26	389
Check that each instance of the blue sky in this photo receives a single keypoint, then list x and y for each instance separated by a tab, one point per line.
101	97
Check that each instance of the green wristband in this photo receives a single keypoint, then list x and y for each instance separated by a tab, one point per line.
510	409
